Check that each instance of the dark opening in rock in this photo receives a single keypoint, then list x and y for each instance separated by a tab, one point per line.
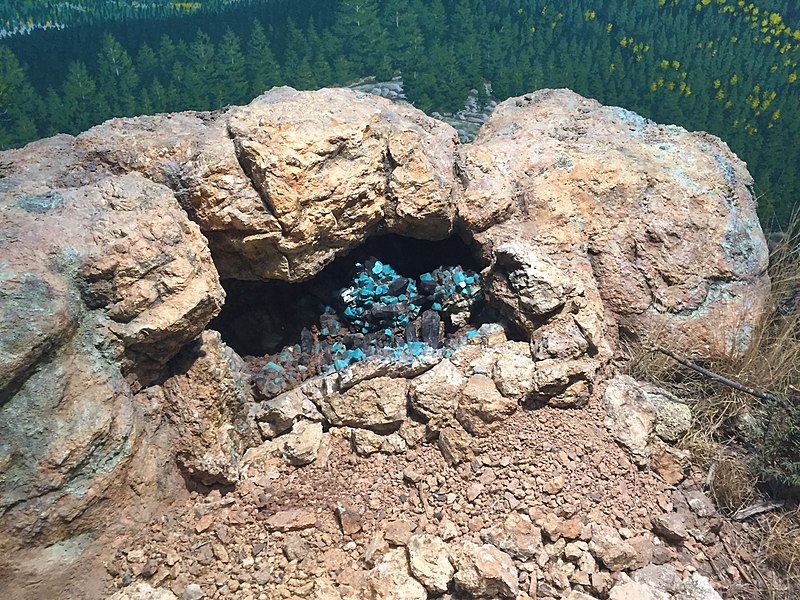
262	317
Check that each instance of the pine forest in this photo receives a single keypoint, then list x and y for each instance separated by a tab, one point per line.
724	66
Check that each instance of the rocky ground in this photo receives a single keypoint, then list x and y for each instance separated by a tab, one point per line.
564	510
116	397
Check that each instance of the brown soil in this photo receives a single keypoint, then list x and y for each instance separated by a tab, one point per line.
540	462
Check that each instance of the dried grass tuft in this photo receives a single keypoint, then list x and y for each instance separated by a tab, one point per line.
770	364
733	484
772	361
703	448
781	542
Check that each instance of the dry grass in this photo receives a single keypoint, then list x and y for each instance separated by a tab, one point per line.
725	419
781	542
771	364
732	484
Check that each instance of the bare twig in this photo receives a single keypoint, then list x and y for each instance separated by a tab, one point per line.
737	563
716	377
756	509
712	470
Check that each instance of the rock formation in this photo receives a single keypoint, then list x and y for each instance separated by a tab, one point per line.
587	220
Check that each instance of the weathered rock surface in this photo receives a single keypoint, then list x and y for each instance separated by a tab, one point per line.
143	591
516	536
514	375
628	589
642	418
655	226
300	446
631	418
484	571
587	218
697	587
391	579
291	520
366	442
662	577
280	413
373	404
207	398
284	185
104	279
481	404
429	559
608	547
435	394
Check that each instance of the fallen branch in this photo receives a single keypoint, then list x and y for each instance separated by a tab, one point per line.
716	377
737	562
756	509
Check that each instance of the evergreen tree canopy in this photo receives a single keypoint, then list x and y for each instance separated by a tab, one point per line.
730	68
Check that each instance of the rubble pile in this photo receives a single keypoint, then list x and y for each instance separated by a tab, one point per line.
383	315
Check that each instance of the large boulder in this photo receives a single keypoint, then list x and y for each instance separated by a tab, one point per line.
207	402
586	218
377	404
592	216
103	279
284	185
484	571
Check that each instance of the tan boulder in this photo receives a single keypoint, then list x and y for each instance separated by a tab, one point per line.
614	219
366	442
517	536
301	445
377	404
513	373
455	444
391	579
630	417
429	559
565	383
588	219
287	183
481	404
434	394
103	281
484	571
205	400
609	548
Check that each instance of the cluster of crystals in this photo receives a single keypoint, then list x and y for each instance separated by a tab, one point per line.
380	298
384	316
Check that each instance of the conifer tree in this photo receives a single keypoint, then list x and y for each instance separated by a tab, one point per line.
304	78
230	79
199	72
18	102
166	54
79	98
358	22
262	69
117	81
404	33
146	62
294	54
53	115
158	96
